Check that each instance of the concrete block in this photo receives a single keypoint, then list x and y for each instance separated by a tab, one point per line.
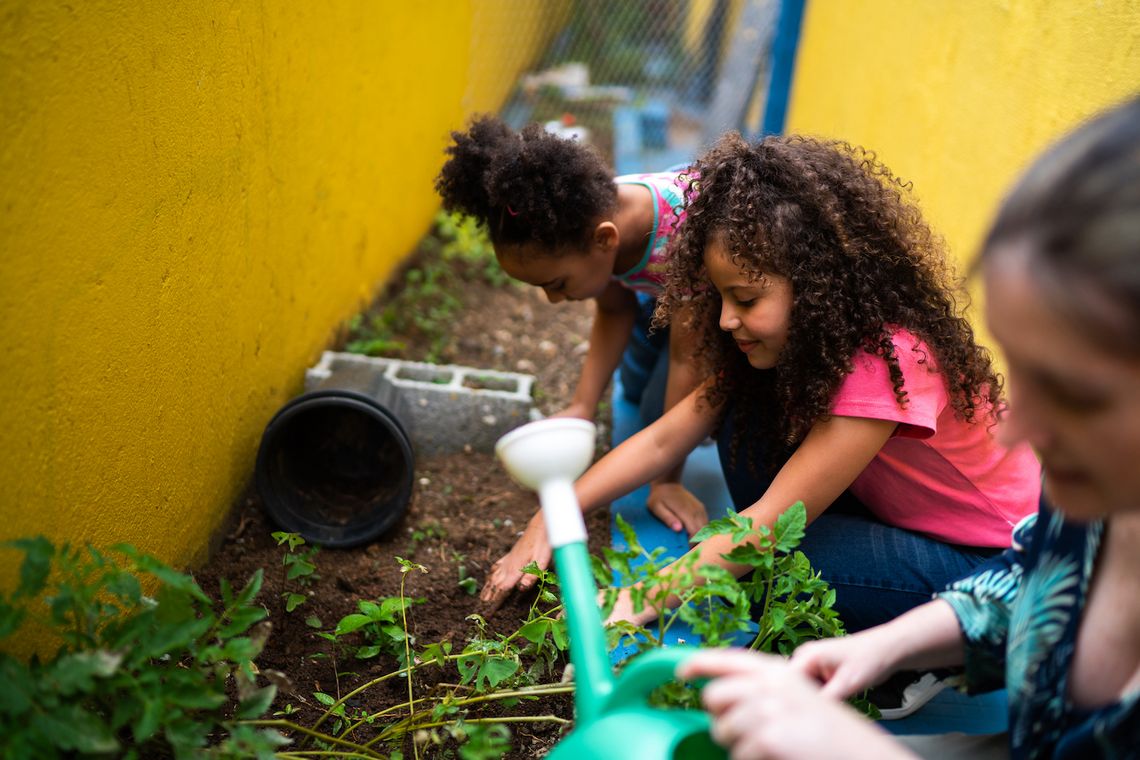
444	406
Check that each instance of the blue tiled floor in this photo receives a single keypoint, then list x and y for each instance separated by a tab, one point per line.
947	712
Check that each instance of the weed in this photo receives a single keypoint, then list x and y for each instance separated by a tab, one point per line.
136	675
299	567
429	531
426	304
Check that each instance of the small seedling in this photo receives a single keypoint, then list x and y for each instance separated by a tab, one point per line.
299	567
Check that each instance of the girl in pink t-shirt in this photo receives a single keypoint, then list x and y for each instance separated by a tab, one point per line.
841	372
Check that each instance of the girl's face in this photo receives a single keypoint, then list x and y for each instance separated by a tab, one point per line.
566	274
1076	404
756	311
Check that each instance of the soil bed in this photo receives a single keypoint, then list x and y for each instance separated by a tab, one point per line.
464	514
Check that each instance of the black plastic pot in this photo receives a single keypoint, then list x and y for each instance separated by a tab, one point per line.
335	465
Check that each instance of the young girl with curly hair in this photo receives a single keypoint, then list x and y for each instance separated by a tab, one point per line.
841	373
559	220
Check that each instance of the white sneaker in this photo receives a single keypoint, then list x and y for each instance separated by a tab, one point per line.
914	696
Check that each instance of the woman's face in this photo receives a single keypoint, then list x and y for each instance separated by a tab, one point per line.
1075	403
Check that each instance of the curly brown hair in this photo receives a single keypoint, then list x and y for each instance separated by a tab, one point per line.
528	186
862	262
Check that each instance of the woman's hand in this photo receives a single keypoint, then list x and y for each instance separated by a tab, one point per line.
920	639
507	575
674	505
848	664
764	708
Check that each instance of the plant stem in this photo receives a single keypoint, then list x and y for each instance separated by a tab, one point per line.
405	726
313	734
408	670
408	658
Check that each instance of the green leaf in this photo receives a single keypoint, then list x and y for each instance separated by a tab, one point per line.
536	630
324	699
367	652
251	588
76	673
241	620
73	728
11	618
257	703
717	527
293	601
18	694
300	567
36	566
313	621
495	670
350	623
790	527
469	585
147	724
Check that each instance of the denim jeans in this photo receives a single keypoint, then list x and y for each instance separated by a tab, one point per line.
878	571
645	363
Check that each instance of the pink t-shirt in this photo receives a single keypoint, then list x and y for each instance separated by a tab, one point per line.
936	474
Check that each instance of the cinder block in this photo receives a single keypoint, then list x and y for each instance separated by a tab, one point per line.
444	406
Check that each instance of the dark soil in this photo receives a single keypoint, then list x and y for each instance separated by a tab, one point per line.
464	512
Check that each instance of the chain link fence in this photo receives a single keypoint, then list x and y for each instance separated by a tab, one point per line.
648	82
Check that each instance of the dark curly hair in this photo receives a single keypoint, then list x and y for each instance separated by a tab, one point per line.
526	187
833	220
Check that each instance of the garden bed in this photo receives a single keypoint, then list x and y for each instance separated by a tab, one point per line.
464	514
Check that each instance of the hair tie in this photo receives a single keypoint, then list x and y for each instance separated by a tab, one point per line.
511	211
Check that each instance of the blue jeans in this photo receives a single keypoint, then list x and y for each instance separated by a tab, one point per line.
878	571
644	365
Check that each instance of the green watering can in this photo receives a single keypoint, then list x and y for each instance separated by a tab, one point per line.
613	719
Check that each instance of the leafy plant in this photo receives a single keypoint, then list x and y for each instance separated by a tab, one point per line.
780	604
299	565
136	675
380	625
424	301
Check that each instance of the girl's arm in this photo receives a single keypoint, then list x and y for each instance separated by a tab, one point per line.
832	455
668	500
640	458
613	322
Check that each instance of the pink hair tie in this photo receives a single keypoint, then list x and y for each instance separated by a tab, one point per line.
511	211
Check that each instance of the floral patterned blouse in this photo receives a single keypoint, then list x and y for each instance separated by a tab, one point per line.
1019	614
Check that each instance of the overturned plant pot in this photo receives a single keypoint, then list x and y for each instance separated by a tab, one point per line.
336	464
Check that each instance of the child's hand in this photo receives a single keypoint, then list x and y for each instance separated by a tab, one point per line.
674	505
506	573
764	708
623	609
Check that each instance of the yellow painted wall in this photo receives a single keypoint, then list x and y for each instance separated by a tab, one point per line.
193	195
958	96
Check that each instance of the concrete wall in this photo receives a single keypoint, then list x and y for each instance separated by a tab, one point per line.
958	97
194	195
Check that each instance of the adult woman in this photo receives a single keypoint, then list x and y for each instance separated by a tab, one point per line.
1059	622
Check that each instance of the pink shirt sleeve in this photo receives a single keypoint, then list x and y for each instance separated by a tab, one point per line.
868	391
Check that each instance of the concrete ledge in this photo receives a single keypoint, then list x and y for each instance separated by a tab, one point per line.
449	406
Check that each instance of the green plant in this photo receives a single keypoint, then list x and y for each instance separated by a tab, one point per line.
424	302
503	669
380	625
429	531
299	567
137	674
780	604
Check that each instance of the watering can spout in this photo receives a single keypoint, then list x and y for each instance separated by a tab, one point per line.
613	719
